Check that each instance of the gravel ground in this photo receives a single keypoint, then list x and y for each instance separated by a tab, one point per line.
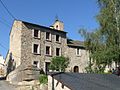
4	85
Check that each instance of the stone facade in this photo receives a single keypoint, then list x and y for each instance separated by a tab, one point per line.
2	70
35	45
22	41
2	67
78	62
28	40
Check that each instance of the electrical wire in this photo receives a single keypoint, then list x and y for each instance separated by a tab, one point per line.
7	9
6	24
7	49
3	46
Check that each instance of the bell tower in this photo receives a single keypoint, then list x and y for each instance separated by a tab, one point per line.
58	25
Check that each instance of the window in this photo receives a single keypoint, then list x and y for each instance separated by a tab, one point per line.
36	48
57	51
48	36
48	51
36	33
35	63
57	38
78	52
56	26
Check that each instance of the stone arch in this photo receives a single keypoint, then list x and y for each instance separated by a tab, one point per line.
76	69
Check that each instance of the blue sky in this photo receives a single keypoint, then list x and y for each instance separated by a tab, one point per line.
75	14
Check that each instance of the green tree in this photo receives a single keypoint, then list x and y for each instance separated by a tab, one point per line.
104	43
109	19
59	63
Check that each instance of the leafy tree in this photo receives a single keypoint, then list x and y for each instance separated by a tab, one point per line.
104	43
109	19
59	63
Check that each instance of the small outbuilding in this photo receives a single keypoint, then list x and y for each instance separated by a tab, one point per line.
83	81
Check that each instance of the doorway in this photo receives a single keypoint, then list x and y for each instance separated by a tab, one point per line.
76	69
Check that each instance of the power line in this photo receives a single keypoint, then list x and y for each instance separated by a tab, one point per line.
6	21
7	49
3	46
6	24
9	26
7	9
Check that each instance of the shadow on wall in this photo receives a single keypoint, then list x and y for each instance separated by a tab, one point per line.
11	64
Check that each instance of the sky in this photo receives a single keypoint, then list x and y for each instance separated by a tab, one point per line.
75	14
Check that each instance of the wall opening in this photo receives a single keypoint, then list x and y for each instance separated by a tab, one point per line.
76	69
36	33
57	51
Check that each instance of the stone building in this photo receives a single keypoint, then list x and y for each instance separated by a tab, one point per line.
2	67
78	56
32	44
35	44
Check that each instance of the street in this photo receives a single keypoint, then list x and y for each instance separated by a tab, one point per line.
4	85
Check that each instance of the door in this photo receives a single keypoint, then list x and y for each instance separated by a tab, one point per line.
76	69
47	66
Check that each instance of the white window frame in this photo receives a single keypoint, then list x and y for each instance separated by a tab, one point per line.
38	50
39	33
50	36
78	54
49	51
59	51
59	38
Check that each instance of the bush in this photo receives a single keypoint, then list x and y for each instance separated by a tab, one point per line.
43	79
59	63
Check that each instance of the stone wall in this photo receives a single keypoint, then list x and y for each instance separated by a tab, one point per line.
27	40
21	47
15	42
22	40
77	60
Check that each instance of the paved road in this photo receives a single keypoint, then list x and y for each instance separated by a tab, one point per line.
4	85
